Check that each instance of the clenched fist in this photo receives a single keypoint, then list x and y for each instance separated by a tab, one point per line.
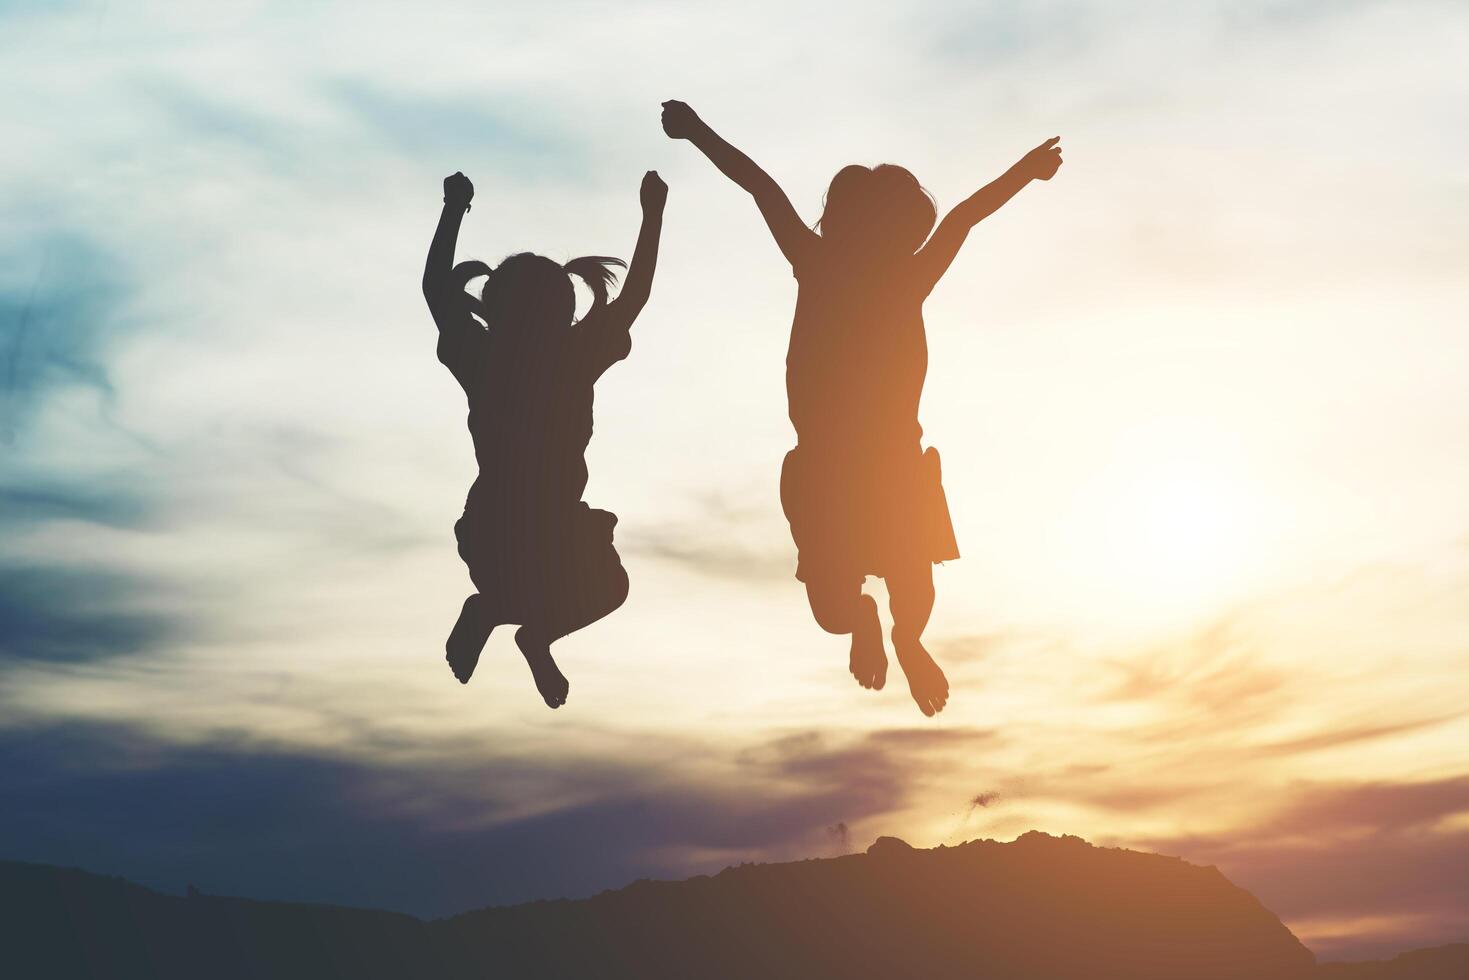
458	190
679	121
654	191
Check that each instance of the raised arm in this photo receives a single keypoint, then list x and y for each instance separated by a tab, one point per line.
933	259
791	234
639	282
441	288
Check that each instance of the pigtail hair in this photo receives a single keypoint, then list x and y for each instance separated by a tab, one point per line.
596	272
459	282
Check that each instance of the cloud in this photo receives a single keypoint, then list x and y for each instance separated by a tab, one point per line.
211	123
66	306
425	831
1215	680
969	649
725	537
1336	738
77	616
510	136
62	305
34	501
1353	853
1216	670
992	35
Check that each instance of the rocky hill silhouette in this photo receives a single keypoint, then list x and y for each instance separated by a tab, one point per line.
1039	907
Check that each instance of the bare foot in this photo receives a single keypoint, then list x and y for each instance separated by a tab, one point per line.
869	661
549	680
468	637
927	683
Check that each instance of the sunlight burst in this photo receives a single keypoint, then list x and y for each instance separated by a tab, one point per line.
1181	526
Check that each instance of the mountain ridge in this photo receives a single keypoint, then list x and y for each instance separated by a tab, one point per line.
1037	907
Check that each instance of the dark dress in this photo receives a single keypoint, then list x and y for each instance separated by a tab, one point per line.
861	495
535	551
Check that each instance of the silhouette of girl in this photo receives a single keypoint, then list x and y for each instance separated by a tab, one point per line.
862	496
537	554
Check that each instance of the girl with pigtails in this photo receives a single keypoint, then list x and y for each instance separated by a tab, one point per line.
538	556
861	494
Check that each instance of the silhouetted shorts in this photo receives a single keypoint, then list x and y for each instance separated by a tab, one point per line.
532	568
854	513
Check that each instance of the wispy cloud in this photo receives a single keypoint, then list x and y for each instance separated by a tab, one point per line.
63	307
436	835
723	537
1344	853
512	138
77	616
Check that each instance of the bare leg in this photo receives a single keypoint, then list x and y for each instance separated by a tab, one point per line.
840	607
596	598
552	684
467	639
910	596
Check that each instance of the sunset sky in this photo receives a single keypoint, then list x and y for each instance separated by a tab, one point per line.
1201	399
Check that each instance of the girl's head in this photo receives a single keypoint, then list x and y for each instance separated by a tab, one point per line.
531	292
882	210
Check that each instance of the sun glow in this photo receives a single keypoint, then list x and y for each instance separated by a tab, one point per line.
1179	525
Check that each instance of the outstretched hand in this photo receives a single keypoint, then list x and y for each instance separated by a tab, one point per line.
654	191
1042	162
458	190
680	121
